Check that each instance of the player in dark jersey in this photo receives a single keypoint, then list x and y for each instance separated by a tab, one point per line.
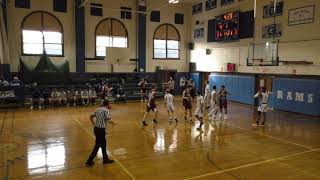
143	89
223	104
186	100
151	106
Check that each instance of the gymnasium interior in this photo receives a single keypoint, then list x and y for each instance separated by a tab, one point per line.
85	46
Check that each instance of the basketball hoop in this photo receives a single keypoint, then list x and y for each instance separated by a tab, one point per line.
263	53
257	62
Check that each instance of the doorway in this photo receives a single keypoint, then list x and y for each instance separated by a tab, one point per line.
264	81
204	76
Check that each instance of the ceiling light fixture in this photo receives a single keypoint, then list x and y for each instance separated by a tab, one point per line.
173	1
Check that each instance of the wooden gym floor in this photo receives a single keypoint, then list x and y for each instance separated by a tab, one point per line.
55	143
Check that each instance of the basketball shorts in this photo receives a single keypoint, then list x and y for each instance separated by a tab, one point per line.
223	104
208	101
213	104
187	104
54	99
41	100
152	108
62	99
263	108
143	90
198	112
170	107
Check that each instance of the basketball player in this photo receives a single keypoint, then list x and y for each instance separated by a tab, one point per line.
92	96
199	109
223	104
151	106
207	94
186	100
85	96
171	85
143	89
102	115
168	98
36	97
263	96
214	104
62	97
70	99
54	97
76	98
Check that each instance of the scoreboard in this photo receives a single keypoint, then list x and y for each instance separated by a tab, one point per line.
227	27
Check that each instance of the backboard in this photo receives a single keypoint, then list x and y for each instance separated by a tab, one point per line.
263	53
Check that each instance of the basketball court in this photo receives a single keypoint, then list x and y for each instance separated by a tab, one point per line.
55	144
70	68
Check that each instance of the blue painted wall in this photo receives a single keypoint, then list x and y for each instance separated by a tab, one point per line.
196	78
309	90
242	88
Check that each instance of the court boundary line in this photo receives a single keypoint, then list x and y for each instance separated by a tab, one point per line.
116	160
269	136
253	164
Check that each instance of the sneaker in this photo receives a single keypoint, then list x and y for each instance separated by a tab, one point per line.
220	116
255	124
225	117
89	164
144	123
176	120
262	125
155	121
108	161
199	128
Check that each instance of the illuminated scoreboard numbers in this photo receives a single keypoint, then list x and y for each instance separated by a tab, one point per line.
227	27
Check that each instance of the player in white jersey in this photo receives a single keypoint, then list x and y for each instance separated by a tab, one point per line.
92	96
199	109
54	97
263	96
207	95
85	96
168	99
62	97
214	109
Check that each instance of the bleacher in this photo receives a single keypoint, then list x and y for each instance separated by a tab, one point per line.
68	81
133	90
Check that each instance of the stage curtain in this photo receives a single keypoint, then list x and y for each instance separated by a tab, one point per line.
4	47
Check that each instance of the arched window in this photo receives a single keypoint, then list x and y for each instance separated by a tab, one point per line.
41	31
166	42
110	32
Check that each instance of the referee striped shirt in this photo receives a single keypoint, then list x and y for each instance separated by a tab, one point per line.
102	115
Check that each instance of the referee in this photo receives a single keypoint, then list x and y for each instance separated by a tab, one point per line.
101	116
